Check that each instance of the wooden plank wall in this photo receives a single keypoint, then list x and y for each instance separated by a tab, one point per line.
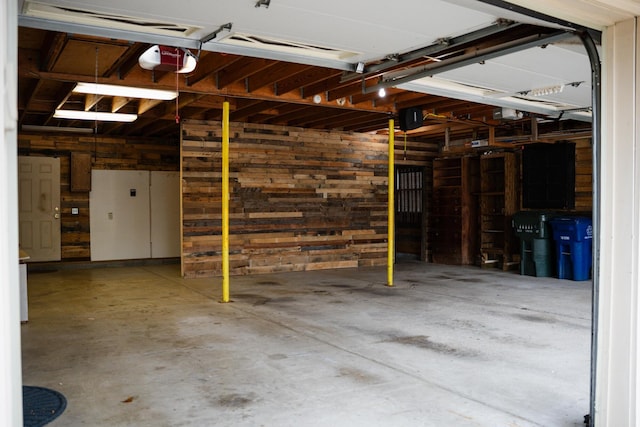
106	153
300	199
584	175
325	163
419	153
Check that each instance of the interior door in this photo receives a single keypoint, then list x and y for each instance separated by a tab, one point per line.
39	207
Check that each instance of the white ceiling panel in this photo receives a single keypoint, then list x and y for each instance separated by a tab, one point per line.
356	31
372	31
512	81
530	69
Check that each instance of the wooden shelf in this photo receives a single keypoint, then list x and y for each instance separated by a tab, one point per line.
454	217
499	200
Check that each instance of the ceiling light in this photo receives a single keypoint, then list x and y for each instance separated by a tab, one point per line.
125	91
93	115
382	93
38	128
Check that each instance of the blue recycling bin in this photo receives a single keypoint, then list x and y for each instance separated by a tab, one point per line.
573	237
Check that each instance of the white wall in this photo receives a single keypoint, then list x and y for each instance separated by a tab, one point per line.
146	225
10	354
618	327
120	224
165	214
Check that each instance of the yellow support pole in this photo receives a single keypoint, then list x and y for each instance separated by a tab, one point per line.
225	201
391	207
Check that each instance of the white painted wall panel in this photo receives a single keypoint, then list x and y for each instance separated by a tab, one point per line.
165	214
617	374
10	356
120	223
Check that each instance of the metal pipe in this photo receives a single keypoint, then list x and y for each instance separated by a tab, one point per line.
225	201
391	207
596	107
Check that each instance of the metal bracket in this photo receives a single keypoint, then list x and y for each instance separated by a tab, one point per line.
212	36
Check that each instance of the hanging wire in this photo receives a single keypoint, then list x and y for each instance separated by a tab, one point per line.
405	146
177	83
95	122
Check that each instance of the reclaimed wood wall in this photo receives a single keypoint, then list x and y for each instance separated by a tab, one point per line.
300	199
106	153
584	175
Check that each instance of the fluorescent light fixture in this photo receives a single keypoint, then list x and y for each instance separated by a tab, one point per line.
93	115
125	91
38	128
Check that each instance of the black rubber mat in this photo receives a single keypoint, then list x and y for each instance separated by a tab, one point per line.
41	405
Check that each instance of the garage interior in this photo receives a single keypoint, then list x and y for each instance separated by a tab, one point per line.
136	335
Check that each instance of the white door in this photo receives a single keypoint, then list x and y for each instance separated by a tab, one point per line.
39	207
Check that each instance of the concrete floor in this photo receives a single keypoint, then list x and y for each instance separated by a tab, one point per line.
447	346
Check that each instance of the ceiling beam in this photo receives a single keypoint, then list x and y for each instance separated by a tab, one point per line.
118	102
240	70
278	71
209	64
125	64
250	109
90	100
141	78
305	78
145	105
52	49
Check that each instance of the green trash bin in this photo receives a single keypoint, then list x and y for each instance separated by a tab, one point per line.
536	242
